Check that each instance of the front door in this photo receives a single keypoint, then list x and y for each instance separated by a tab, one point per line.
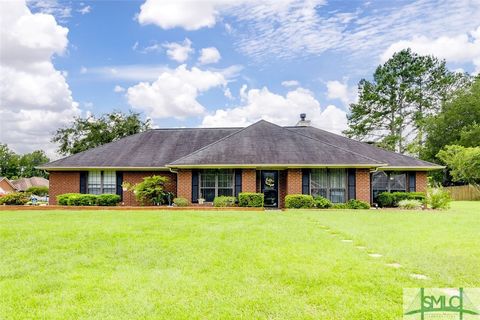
270	188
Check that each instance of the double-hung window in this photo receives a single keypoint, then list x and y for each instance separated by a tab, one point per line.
100	182
329	183
215	183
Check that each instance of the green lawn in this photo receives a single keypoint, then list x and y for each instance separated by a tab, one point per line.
197	265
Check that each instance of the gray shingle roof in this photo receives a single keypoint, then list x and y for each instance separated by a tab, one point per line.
260	143
266	143
153	148
392	158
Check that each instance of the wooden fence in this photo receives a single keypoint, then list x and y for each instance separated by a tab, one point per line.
467	192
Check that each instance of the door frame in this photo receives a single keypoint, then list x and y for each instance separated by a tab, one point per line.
277	183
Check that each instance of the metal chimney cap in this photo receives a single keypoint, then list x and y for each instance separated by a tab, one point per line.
303	116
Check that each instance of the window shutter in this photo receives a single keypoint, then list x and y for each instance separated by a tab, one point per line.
412	181
194	186
351	184
119	190
83	181
306	181
238	182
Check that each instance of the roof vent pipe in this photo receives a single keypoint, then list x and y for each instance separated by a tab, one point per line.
303	121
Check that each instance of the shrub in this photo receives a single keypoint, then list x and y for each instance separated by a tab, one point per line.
339	206
322	203
250	199
79	199
180	202
391	199
38	191
357	204
224	201
438	198
108	199
149	191
15	198
299	201
410	204
385	199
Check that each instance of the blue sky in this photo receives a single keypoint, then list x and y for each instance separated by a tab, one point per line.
269	60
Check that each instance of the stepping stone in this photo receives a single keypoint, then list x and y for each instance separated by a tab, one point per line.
375	255
419	276
347	240
360	247
394	265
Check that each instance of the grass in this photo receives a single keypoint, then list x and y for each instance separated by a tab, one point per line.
197	265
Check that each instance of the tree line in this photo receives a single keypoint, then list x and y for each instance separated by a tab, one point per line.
413	105
416	106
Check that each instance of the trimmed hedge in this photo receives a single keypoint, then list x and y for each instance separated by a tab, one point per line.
322	203
15	198
180	202
108	199
79	199
224	201
299	201
357	204
391	199
250	199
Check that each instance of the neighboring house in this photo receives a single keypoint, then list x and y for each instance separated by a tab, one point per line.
6	186
263	157
23	184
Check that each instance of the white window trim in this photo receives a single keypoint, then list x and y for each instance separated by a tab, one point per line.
328	183
102	181
200	195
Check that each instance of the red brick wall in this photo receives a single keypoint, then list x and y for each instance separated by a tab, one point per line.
249	180
294	181
362	185
184	184
134	177
61	182
421	181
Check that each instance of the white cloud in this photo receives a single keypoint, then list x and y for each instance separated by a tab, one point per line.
179	51
292	28
227	93
174	93
462	48
85	10
35	98
83	70
341	90
190	15
60	10
283	110
290	83
118	89
209	55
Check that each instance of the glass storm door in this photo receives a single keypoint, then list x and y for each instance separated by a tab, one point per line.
270	188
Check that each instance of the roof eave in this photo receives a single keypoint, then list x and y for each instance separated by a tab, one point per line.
85	168
411	168
272	165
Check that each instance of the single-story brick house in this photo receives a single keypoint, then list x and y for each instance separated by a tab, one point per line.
6	186
263	157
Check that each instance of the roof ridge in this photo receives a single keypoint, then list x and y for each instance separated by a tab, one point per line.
218	141
197	128
332	145
371	145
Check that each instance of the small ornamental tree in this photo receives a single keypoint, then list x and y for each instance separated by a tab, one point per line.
150	191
